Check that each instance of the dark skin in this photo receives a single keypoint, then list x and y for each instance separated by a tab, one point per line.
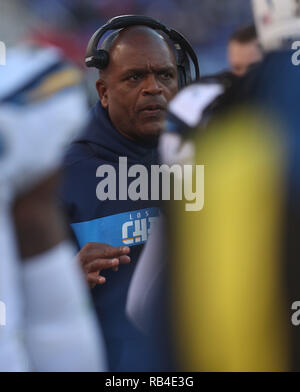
138	83
40	225
135	89
94	257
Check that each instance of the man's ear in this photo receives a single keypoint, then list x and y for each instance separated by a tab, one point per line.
102	92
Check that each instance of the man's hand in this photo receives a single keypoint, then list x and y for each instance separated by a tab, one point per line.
94	257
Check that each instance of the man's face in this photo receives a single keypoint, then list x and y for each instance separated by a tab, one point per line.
242	56
138	84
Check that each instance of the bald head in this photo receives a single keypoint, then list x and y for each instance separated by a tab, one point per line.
134	35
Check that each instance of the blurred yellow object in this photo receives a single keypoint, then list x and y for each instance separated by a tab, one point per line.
229	310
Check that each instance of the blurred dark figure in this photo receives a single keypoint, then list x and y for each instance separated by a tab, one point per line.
243	50
238	307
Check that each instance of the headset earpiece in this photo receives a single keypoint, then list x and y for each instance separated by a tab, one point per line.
99	60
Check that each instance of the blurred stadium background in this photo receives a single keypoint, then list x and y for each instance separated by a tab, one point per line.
207	24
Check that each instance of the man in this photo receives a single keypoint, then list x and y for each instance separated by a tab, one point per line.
243	50
134	91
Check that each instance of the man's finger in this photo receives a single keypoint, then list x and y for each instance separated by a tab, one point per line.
110	252
94	280
124	259
100	264
93	250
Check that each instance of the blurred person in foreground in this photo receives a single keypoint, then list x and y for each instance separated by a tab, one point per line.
50	323
239	288
243	50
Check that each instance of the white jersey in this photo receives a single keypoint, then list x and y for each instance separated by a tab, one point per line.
46	318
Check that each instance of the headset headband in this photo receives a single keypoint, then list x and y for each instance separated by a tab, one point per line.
98	58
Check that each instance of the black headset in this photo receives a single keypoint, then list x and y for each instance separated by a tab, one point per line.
99	58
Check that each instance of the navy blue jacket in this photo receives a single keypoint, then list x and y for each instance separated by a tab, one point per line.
116	222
